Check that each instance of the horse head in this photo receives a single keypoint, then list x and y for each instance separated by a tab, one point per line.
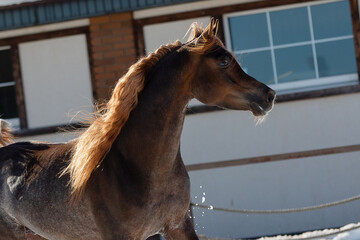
219	80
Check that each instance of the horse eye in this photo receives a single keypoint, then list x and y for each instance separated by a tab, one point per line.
224	61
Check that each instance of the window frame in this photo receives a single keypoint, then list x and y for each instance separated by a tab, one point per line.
305	85
14	42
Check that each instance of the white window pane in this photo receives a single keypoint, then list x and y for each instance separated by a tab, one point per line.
295	63
336	58
290	26
258	65
56	78
249	31
331	20
304	46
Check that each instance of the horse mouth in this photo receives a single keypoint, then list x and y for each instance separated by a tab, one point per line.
258	110
261	104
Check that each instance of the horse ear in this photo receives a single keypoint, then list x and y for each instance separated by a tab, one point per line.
212	29
202	40
194	31
214	26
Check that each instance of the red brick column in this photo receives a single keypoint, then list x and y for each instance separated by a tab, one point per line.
113	50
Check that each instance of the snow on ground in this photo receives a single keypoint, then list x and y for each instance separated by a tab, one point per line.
348	232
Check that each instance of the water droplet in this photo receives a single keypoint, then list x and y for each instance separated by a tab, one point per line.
211	207
202	199
200	186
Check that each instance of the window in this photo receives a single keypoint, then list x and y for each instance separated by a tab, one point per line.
56	80
295	48
8	107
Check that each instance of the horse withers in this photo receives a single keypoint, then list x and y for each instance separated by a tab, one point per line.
124	178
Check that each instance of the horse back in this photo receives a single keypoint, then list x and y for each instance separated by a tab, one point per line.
36	196
24	163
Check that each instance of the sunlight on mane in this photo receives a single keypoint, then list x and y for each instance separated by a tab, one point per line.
92	146
5	133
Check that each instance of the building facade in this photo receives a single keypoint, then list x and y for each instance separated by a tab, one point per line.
59	57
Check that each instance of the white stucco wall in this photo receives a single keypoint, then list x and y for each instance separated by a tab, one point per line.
59	137
278	185
12	2
185	7
154	34
290	127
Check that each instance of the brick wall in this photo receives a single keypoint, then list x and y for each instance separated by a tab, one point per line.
113	50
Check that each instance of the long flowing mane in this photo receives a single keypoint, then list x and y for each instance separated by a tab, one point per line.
5	135
92	146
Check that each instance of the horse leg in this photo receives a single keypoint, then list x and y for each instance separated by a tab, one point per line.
185	231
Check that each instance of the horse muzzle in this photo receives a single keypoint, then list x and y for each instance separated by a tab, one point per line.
262	103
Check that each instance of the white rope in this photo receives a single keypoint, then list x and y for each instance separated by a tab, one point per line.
277	211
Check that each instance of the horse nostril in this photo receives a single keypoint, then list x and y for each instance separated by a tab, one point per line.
271	95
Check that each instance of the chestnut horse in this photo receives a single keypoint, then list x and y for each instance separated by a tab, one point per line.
123	178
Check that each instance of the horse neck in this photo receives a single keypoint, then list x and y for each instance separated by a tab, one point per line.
151	137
